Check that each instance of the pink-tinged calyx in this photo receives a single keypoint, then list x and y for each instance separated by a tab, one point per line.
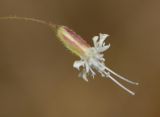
72	41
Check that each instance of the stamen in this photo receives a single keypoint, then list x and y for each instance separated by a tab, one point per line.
119	84
120	77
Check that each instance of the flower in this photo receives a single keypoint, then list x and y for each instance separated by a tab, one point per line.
91	58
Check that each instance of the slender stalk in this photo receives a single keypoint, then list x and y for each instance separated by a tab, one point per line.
50	25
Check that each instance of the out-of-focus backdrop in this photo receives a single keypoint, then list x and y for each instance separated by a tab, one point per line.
36	74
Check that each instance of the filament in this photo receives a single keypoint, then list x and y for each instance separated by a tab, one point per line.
120	77
119	84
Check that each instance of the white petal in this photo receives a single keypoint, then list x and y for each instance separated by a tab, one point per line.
95	39
92	72
102	38
104	48
87	67
103	35
78	64
85	78
83	75
103	44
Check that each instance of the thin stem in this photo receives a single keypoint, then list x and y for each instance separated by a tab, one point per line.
52	26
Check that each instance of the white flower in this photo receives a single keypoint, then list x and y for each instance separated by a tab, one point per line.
91	57
93	60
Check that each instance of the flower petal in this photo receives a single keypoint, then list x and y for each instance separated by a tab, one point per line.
87	67
83	75
102	38
95	39
78	64
104	48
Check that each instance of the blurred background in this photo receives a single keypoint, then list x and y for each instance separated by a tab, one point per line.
36	74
